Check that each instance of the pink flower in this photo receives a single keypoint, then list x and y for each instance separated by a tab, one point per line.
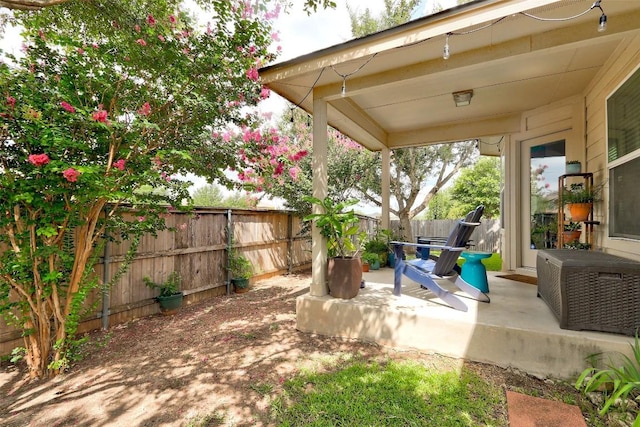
68	107
38	159
145	110
161	37
293	173
100	115
141	218
151	20
252	74
94	45
275	37
11	101
119	164
80	50
137	28
265	93
172	19
71	174
141	42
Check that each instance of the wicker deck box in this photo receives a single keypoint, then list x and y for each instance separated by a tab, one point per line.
589	290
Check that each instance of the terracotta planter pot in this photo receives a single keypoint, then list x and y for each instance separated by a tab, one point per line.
579	211
365	267
570	236
344	276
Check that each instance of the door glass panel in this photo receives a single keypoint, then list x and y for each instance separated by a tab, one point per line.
547	162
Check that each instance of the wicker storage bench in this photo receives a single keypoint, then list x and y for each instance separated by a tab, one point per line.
589	290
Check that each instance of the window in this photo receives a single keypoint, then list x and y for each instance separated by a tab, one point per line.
623	132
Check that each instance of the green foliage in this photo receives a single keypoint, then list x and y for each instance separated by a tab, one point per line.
623	377
169	287
579	193
370	257
478	185
239	265
390	394
212	195
96	126
395	13
572	226
340	227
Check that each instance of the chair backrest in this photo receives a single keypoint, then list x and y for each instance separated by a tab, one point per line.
458	238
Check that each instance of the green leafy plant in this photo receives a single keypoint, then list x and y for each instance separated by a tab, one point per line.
572	226
340	227
169	287
369	257
576	244
579	193
239	265
622	378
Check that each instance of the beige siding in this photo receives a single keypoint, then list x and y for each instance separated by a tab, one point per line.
624	61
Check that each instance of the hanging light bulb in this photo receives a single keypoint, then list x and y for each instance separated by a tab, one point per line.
602	27
344	86
446	53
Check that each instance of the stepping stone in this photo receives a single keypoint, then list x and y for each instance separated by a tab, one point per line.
529	411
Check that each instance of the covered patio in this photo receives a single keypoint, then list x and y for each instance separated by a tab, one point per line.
516	329
535	73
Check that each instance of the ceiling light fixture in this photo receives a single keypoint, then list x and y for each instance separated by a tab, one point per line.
463	97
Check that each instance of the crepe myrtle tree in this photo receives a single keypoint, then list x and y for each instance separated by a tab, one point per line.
95	128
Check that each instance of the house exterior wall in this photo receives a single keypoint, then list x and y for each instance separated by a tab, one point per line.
564	119
625	60
584	118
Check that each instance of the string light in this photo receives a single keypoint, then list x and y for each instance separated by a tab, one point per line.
602	24
446	53
343	92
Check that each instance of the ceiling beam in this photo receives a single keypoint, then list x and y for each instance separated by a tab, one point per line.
458	131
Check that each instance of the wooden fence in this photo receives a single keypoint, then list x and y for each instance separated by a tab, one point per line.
485	238
272	240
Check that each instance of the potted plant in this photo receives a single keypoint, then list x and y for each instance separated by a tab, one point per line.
571	231
241	271
341	228
573	166
579	199
369	261
170	298
379	244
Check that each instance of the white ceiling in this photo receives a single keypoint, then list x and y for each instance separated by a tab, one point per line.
398	88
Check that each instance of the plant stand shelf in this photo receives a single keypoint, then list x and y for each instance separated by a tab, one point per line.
587	181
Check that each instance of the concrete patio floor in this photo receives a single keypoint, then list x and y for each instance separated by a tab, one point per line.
516	329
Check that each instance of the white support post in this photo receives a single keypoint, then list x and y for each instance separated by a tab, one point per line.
319	166
386	187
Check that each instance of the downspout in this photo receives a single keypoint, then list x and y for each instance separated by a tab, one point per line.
229	248
290	243
105	286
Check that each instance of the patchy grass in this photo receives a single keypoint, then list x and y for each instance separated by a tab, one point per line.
391	394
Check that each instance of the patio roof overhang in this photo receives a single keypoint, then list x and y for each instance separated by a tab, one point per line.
398	87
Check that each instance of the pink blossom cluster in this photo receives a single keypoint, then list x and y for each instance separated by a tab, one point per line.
71	174
38	159
119	164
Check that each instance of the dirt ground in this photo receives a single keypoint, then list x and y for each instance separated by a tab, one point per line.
215	363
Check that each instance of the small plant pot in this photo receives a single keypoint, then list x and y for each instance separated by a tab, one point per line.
573	168
365	267
571	236
240	286
170	304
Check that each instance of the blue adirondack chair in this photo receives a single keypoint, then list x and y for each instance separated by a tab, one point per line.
426	271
